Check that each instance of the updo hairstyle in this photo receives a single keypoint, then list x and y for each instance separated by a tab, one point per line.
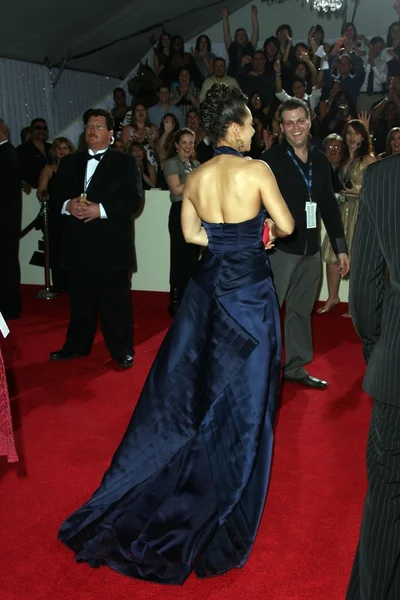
222	106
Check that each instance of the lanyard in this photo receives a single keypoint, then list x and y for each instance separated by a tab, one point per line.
87	183
307	181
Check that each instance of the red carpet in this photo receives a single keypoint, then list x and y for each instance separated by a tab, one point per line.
69	417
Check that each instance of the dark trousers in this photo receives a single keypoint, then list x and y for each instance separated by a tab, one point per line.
58	276
296	279
108	294
376	568
10	274
184	256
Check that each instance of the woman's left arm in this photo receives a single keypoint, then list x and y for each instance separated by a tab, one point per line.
369	159
151	178
208	61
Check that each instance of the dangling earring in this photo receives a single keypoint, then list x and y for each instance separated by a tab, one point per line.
239	143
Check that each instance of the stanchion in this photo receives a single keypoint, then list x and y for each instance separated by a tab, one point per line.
47	293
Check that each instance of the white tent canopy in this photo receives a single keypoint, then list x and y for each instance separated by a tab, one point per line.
74	31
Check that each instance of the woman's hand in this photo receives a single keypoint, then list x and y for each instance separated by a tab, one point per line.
169	124
272	236
277	67
364	117
344	265
268	138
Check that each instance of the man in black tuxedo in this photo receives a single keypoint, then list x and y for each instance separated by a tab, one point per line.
375	309
97	193
10	226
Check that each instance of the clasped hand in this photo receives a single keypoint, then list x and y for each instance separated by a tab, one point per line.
84	211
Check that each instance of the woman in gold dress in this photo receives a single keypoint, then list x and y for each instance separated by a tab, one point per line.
356	156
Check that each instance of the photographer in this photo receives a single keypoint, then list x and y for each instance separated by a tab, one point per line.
341	110
349	71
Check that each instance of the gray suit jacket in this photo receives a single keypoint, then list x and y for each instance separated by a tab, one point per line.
375	302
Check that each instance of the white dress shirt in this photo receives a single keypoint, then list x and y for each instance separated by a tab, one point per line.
90	170
311	99
380	75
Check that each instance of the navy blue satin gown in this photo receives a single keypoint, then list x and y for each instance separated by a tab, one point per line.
186	487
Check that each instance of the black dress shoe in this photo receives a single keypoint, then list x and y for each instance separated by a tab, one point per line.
308	381
126	362
64	355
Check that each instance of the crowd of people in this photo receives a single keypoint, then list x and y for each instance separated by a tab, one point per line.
282	104
351	87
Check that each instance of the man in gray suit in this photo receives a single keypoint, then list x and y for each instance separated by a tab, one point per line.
375	308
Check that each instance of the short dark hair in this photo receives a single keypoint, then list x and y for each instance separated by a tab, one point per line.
119	89
162	86
299	80
37	120
194	111
302	45
222	106
99	112
219	58
293	104
377	39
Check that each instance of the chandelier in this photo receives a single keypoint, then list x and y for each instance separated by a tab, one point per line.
326	5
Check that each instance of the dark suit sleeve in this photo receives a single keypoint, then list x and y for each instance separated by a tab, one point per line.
129	198
367	273
331	215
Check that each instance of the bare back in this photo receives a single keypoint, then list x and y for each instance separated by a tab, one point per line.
224	190
231	189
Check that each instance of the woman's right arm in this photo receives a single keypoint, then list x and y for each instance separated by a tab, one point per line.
174	184
272	200
158	65
44	179
125	135
227	33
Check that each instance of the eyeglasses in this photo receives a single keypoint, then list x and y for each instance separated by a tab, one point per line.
334	147
40	127
291	124
96	127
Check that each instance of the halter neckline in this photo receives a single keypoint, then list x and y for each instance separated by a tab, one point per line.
227	150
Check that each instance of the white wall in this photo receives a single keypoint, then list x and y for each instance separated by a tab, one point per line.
373	18
26	92
151	243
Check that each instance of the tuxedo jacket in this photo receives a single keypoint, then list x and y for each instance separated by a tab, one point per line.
375	299
101	244
10	191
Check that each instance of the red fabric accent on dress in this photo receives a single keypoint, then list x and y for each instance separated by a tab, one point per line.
7	446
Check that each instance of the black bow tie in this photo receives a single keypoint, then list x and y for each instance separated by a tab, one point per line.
95	156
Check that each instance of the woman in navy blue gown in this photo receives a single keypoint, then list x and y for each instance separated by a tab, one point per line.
186	487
